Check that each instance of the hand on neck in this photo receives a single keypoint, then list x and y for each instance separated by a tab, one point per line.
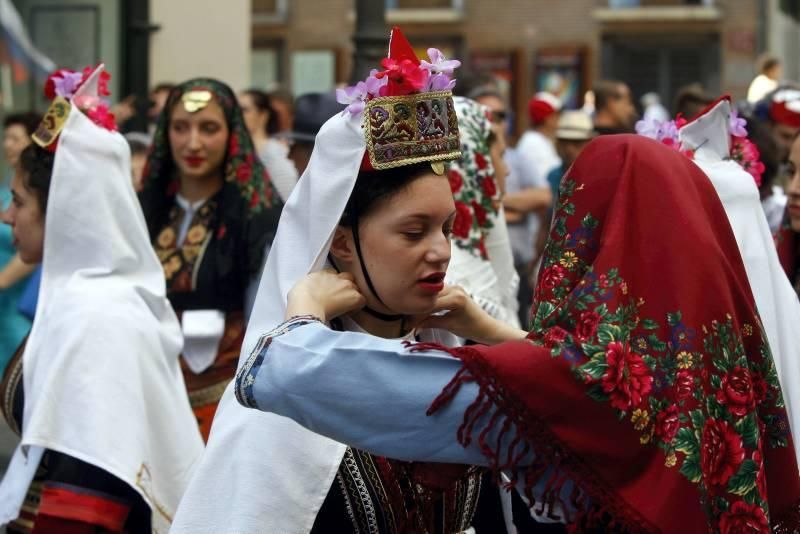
199	188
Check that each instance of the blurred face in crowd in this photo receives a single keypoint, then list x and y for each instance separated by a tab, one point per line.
793	187
784	135
198	141
497	149
621	107
285	115
26	219
254	119
568	150
497	109
15	140
775	73
138	162
405	244
300	154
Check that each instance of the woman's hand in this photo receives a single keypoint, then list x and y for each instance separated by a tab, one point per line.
466	319
324	294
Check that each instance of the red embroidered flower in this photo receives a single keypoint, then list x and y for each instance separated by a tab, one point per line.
554	336
480	161
489	187
233	146
221	231
482	248
254	198
684	385
759	387
455	179
721	452
480	213
736	391
552	276
406	76
743	517
463	221
667	423
243	173
627	379
587	325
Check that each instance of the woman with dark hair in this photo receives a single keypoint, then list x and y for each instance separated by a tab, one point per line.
17	131
262	123
380	216
621	410
212	212
787	241
108	439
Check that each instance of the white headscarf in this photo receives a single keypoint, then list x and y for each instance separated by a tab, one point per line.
775	298
101	375
263	472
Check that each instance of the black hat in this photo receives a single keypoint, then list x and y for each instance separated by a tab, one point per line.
311	111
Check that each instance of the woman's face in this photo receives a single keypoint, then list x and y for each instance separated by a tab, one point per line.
793	188
198	140
254	119
26	220
15	140
405	243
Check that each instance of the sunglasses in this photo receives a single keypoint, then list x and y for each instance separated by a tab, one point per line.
499	116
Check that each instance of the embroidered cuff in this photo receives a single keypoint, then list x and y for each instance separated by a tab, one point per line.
246	376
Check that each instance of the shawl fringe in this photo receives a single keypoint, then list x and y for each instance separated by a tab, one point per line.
598	507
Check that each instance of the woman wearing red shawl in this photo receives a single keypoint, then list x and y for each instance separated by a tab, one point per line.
787	235
645	398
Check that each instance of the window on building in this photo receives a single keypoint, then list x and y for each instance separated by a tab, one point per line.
269	10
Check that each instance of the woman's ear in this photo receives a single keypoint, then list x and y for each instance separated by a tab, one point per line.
342	247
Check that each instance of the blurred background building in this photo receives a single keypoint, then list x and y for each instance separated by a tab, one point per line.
306	45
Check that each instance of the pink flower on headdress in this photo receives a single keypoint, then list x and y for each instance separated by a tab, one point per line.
375	85
746	154
66	84
438	63
102	117
354	97
738	126
440	82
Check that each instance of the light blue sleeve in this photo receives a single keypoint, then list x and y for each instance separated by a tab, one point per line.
368	392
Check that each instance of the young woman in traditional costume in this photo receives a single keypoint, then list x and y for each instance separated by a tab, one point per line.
645	398
211	212
383	217
88	389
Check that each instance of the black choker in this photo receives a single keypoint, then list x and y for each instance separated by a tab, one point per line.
383	316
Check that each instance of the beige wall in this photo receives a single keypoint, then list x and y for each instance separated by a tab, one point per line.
201	38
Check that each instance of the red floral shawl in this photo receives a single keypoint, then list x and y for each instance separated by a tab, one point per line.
647	378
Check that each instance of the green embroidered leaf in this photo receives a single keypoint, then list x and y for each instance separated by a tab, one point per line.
569	209
596	392
698	420
560	227
649	324
649	361
542	311
722	504
594	368
691	469
605	334
674	318
748	429
656	343
753	496
589	221
716	382
745	480
714	408
686	442
602	311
